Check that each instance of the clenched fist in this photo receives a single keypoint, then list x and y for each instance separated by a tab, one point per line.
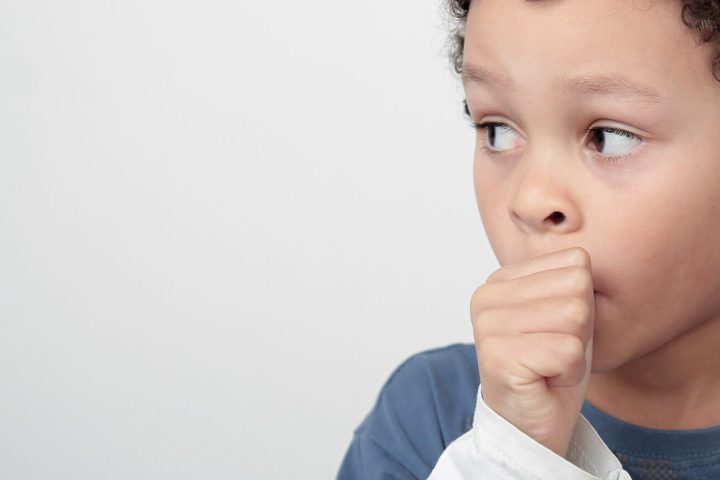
533	327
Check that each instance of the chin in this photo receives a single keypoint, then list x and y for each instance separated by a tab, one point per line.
605	360
600	366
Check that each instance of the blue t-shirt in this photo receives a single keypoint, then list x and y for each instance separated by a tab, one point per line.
429	401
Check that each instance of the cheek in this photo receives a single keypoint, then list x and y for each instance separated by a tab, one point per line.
676	243
488	198
662	262
663	233
507	244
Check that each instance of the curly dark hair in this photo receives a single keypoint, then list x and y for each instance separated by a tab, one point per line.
702	16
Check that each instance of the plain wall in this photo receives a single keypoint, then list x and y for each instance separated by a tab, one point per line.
222	225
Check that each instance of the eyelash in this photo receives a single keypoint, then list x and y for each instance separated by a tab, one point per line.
609	159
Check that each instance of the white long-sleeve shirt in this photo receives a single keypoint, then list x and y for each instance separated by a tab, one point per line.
495	448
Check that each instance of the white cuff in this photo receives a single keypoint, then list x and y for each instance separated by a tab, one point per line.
588	457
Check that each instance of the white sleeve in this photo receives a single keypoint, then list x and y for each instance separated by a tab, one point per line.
495	448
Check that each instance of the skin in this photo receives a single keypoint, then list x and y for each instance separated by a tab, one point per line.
650	223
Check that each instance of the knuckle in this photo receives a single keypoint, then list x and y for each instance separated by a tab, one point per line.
573	350
494	276
479	322
580	256
483	297
476	299
580	279
577	311
483	345
487	353
485	324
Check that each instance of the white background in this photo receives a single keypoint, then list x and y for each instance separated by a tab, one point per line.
222	225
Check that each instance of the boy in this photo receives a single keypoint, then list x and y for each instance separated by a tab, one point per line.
597	176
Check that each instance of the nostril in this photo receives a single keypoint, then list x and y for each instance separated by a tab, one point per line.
557	217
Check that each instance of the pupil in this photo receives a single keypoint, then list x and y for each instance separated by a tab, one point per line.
599	139
491	134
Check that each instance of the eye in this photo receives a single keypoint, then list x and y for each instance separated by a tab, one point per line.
613	143
498	137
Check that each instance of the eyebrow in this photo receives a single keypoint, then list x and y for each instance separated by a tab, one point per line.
612	84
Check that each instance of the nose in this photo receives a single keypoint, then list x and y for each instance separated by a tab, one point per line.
544	199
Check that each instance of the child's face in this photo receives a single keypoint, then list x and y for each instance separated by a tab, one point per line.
651	222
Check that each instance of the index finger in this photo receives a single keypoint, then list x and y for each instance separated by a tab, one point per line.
562	258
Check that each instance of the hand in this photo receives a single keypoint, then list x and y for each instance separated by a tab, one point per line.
533	324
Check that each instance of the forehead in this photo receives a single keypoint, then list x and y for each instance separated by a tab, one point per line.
535	44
